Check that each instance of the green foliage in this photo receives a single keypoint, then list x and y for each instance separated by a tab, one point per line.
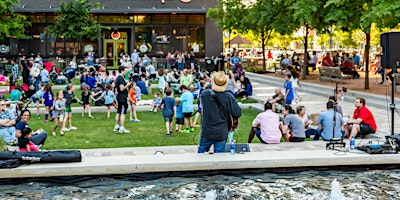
11	24
254	69
74	21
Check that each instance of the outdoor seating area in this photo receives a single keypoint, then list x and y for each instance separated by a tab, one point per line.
332	74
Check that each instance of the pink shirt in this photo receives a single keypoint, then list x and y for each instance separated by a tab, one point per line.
31	146
269	126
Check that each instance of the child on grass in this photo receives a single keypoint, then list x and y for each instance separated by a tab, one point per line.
69	97
178	116
47	100
108	96
36	98
59	112
169	110
132	101
187	108
156	102
85	100
24	142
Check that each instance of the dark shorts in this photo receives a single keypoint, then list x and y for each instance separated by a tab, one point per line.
187	115
122	107
295	139
110	104
167	118
365	129
179	121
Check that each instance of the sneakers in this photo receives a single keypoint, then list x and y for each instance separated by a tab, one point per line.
155	110
62	133
65	129
46	121
38	116
73	128
168	134
191	129
52	119
116	128
91	116
53	133
134	120
186	131
123	130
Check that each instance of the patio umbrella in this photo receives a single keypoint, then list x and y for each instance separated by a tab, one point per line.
238	40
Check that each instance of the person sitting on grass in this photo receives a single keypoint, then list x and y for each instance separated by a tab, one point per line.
293	126
169	110
187	108
266	126
156	102
24	142
132	101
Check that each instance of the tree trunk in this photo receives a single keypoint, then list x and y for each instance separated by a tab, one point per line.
366	59
305	63
263	51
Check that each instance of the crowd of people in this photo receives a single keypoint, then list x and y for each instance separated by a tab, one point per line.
216	91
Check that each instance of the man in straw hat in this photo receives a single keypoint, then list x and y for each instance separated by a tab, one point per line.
218	105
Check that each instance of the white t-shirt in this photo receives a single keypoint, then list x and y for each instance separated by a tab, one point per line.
294	82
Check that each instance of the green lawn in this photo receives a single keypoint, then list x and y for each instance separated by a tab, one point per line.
98	132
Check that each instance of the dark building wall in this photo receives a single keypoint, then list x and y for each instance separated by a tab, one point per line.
213	41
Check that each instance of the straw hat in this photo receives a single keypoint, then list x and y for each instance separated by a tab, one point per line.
219	81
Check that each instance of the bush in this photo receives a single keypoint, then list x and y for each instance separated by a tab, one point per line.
254	69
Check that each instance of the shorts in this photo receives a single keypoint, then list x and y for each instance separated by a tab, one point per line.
199	110
365	129
122	107
295	139
167	118
289	101
179	121
34	99
187	115
85	105
110	104
68	109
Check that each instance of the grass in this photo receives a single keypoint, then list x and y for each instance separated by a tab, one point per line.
98	132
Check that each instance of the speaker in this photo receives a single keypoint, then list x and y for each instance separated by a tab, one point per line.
390	43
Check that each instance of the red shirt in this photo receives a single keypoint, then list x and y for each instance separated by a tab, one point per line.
327	61
366	115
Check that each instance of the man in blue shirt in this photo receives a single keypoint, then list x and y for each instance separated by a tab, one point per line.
326	121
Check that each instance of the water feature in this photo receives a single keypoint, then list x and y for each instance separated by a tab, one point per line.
249	184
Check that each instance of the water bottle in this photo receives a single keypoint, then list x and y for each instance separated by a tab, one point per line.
352	143
232	147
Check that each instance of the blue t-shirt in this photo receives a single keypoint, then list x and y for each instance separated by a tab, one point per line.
142	86
326	120
179	113
187	102
168	104
235	60
15	95
21	125
108	97
89	60
290	96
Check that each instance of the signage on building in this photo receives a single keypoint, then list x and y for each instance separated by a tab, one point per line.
196	48
143	48
4	48
115	35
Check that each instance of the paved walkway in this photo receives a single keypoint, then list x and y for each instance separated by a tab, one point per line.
185	158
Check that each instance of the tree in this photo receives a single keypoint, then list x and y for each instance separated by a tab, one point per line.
74	21
11	24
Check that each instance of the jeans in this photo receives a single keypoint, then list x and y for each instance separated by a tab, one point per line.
39	138
318	134
204	146
7	134
258	134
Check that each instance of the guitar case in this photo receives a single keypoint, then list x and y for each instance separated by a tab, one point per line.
63	156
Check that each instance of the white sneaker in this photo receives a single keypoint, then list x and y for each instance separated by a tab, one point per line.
65	129
73	128
116	128
123	130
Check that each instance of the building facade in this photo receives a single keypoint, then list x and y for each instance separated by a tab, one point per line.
151	26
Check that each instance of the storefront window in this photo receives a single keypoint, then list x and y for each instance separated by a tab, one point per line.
51	18
178	19
179	39
37	18
196	19
115	19
142	19
196	40
143	39
160	19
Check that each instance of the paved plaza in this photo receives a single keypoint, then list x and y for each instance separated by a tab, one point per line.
185	158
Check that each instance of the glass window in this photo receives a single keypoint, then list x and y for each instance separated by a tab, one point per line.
160	19
196	19
142	19
143	39
51	18
115	19
37	18
179	38
196	39
178	19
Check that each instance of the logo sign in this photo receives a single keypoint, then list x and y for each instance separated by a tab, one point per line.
143	48
4	49
115	35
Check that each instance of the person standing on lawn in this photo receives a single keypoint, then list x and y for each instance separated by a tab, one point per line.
187	108
69	96
121	88
214	126
169	110
59	112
